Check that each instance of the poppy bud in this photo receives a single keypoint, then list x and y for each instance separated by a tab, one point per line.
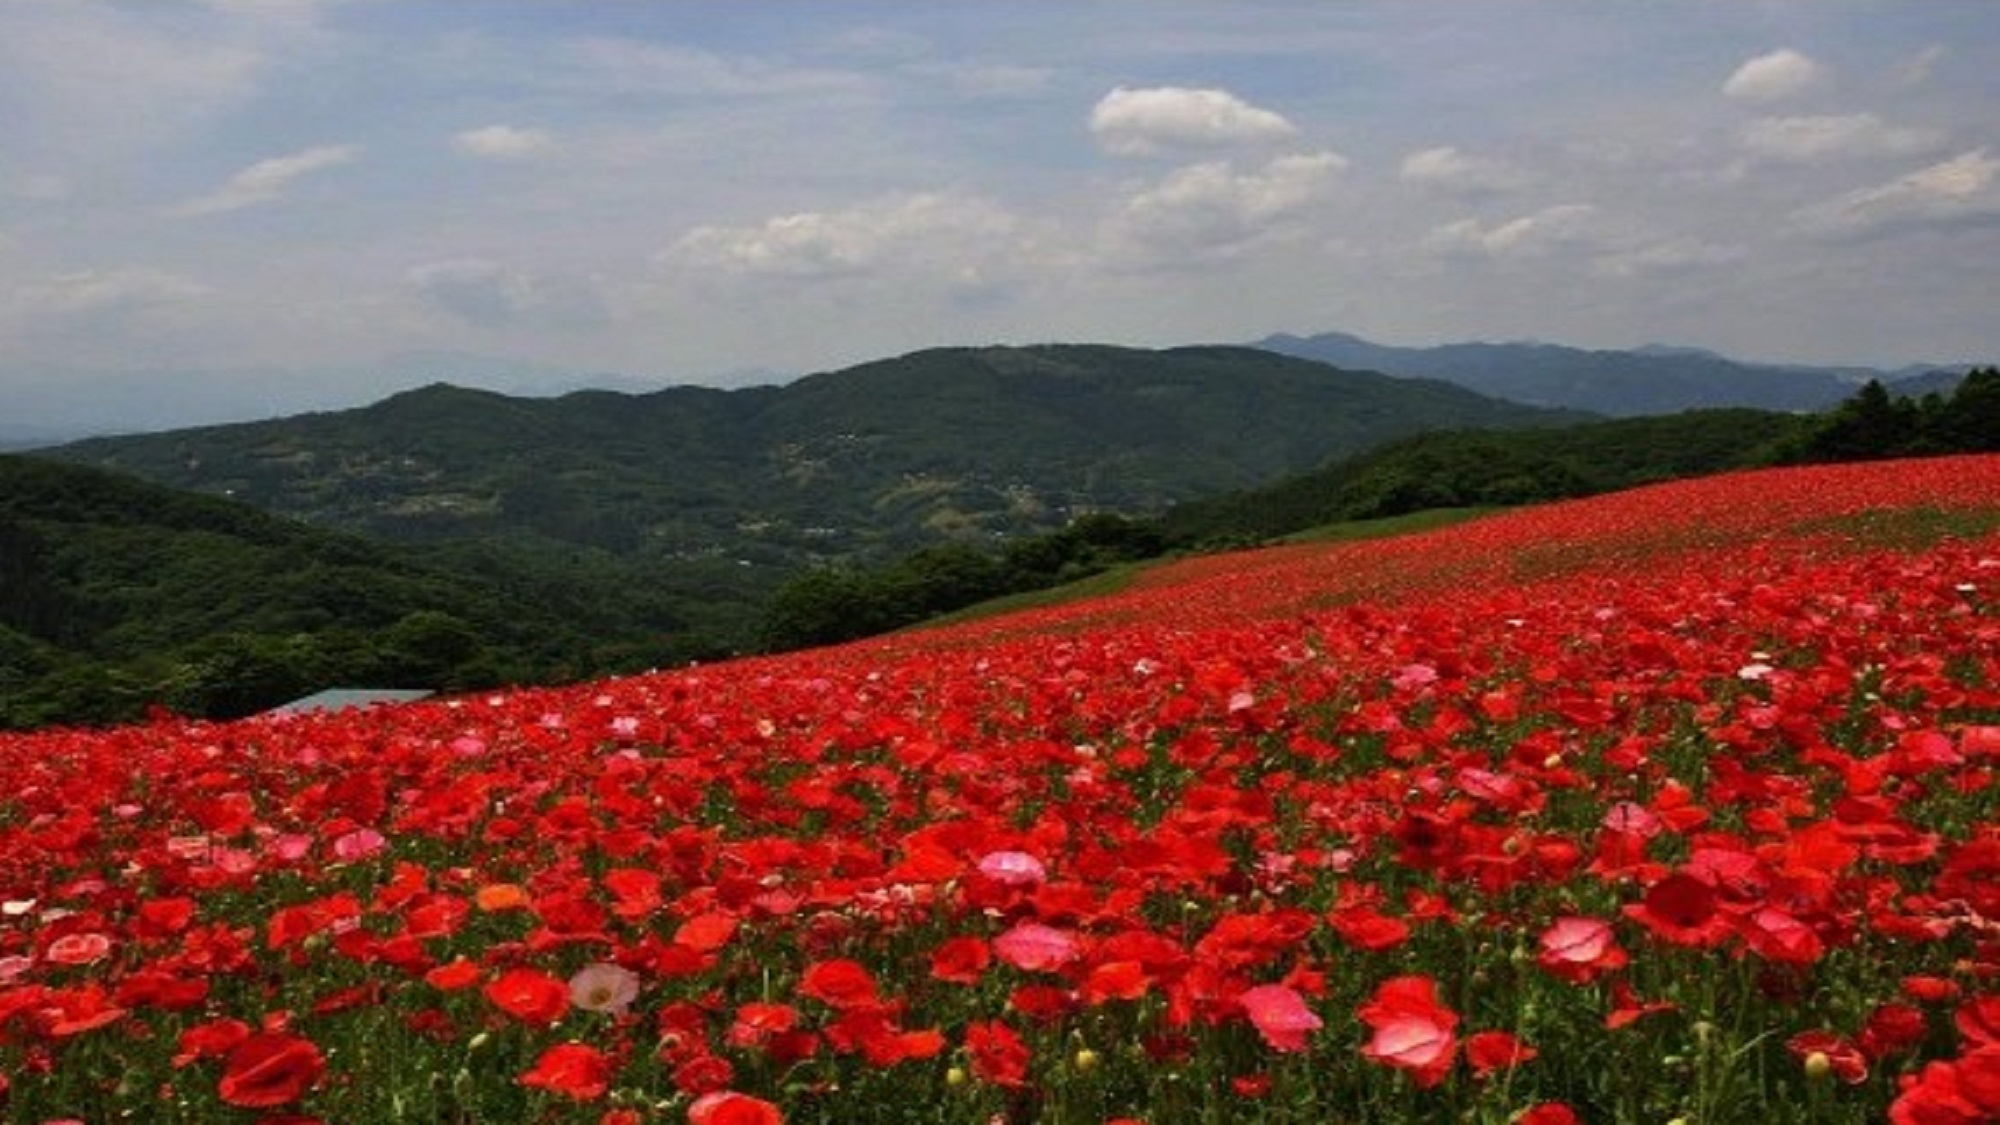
955	1076
1818	1066
1087	1060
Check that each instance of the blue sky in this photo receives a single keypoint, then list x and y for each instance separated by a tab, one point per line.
241	206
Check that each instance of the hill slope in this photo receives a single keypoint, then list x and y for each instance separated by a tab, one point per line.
1460	469
951	443
1405	824
116	593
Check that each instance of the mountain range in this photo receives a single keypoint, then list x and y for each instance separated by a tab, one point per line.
1656	379
972	444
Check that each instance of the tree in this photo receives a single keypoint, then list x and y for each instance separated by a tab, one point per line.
1869	426
1969	421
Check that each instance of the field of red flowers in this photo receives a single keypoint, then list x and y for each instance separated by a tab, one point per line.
1678	805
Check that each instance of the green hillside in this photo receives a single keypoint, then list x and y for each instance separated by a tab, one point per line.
116	594
966	444
1458	469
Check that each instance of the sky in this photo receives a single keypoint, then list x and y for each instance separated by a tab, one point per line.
225	208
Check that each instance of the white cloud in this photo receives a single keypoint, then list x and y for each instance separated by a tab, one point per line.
602	64
1669	255
1450	170
1775	76
1964	190
1143	122
490	295
1805	139
1566	225
992	80
502	142
967	242
1917	70
40	188
1212	210
112	293
266	180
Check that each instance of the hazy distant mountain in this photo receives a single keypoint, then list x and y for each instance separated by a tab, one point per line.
14	437
1656	379
951	443
63	405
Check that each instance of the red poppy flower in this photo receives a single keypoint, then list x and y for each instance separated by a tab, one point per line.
998	1055
78	949
270	1068
757	1022
1490	1051
1115	980
702	1073
211	1040
706	932
573	1070
1034	947
454	976
1364	927
530	996
1550	1113
1627	1008
1777	936
1979	1078
1681	910
839	984
1891	1029
1042	1003
960	960
1280	1015
1579	950
1978	1019
1423	1046
1837	1055
726	1107
1413	1031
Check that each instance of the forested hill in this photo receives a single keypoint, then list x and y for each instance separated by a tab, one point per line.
116	594
1616	383
965	443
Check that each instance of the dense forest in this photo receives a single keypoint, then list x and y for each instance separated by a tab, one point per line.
117	595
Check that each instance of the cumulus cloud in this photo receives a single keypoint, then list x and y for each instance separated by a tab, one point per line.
1453	171
968	244
1213	210
1167	118
1551	228
1773	77
501	142
1807	139
1962	191
266	180
491	295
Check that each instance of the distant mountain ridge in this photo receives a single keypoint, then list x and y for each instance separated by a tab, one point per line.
1655	379
964	443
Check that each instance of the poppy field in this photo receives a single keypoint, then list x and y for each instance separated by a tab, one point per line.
1677	806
